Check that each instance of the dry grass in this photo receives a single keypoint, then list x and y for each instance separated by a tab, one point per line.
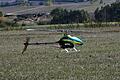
99	58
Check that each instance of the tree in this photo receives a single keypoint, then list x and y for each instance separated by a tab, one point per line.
23	2
49	2
92	1
96	14
57	11
58	15
108	13
101	1
63	16
1	14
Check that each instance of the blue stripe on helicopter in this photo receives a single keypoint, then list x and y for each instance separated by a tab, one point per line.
76	39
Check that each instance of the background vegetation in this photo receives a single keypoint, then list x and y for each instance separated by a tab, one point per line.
63	16
108	13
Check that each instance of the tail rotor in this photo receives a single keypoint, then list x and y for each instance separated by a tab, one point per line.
26	44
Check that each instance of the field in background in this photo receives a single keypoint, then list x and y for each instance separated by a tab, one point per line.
99	58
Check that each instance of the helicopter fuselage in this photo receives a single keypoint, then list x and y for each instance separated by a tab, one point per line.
69	42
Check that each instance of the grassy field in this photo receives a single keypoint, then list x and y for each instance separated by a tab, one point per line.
99	58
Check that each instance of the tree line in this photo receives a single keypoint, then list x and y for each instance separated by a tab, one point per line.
63	16
108	13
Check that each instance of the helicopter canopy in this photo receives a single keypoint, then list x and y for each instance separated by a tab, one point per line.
74	38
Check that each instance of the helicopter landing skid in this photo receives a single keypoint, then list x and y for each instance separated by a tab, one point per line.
71	50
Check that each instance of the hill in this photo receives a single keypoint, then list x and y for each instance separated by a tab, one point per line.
40	9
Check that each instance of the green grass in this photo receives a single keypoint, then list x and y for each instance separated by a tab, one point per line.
99	58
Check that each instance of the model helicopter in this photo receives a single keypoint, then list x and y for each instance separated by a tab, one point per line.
67	41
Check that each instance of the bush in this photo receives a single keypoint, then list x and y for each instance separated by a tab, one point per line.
43	23
2	24
23	24
8	25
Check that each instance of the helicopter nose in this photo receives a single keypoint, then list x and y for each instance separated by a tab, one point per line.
81	43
